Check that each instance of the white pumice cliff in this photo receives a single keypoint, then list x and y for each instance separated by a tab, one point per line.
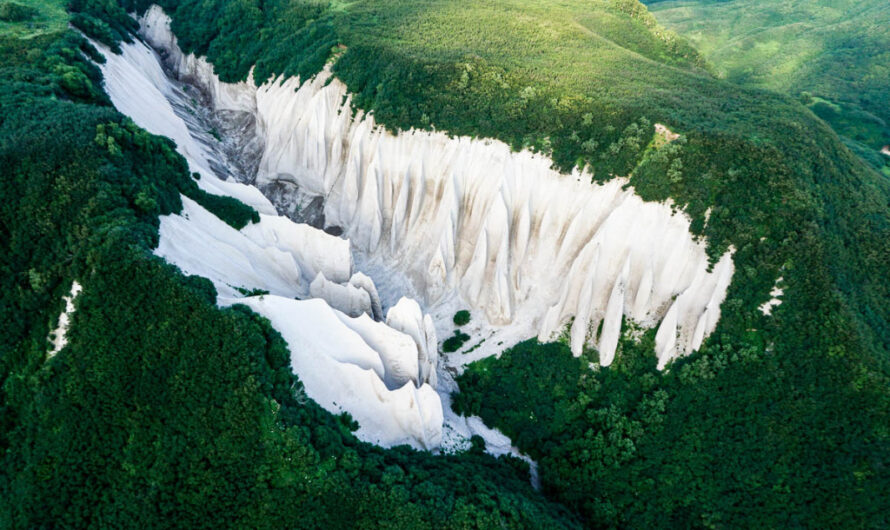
430	224
331	317
468	222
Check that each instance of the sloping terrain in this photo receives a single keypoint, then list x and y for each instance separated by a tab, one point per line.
161	408
471	224
162	405
833	55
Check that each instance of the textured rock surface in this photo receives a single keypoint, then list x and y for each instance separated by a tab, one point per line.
343	297
341	371
199	243
347	360
138	88
528	247
455	222
407	317
316	251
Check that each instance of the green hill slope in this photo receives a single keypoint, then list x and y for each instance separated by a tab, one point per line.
834	54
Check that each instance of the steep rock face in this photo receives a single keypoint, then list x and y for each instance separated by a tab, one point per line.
407	317
346	360
341	370
520	242
316	251
138	88
201	244
530	248
343	297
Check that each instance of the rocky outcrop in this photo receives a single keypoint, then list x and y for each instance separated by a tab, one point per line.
356	365
59	337
526	246
346	358
407	317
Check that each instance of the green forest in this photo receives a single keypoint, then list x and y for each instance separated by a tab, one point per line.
194	415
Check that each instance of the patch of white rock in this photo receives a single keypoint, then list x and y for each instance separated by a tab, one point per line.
776	293
59	336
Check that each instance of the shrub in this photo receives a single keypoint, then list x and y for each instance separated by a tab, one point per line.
462	317
234	212
454	342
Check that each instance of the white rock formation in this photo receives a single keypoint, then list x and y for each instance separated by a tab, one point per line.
407	317
776	293
465	222
334	358
59	338
357	365
397	351
138	88
343	297
316	251
527	246
200	243
365	283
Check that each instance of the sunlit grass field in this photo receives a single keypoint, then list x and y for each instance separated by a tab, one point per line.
833	53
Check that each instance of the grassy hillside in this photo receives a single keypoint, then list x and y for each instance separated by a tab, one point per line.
834	54
31	18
